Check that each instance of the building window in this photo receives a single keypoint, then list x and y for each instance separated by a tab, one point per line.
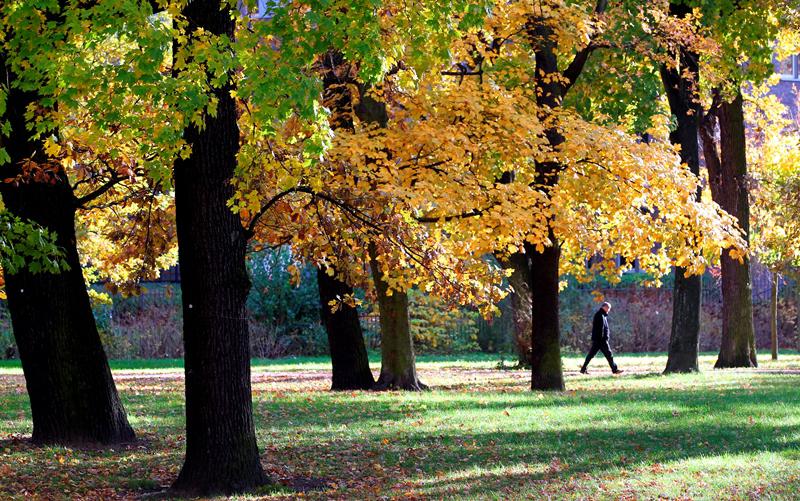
789	68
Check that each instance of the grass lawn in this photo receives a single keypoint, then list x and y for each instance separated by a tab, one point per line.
480	434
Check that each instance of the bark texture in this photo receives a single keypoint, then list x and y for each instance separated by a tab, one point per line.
221	451
349	359
681	85
398	365
546	368
73	397
727	171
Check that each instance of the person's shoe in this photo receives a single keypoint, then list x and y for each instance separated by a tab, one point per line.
617	371
584	371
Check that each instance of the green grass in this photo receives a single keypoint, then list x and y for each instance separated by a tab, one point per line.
473	360
480	434
282	364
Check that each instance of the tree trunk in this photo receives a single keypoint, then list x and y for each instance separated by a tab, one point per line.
684	336
520	304
681	85
728	180
72	393
221	451
546	367
349	360
773	316
398	365
797	311
545	357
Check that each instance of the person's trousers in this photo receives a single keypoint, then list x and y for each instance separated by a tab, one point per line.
600	345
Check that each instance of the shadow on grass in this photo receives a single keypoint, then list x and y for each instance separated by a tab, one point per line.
443	443
589	434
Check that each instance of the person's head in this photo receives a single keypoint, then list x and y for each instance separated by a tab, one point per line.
605	307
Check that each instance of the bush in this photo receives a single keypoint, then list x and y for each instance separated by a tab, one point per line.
145	326
438	328
285	317
496	334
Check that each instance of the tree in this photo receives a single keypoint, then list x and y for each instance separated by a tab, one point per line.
774	142
682	85
221	451
737	31
73	397
349	359
478	157
398	364
727	171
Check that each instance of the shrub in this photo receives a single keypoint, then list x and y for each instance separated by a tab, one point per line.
438	328
8	347
285	317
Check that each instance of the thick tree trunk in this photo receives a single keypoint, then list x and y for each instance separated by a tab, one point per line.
72	394
546	367
773	316
520	304
728	179
349	360
545	356
221	450
398	365
681	85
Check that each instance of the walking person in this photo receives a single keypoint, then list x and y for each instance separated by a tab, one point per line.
600	335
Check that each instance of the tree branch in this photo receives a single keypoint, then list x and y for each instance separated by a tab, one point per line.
253	222
112	181
575	68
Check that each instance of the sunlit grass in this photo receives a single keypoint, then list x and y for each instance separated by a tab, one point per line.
479	434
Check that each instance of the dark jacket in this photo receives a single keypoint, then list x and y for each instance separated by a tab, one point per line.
600	326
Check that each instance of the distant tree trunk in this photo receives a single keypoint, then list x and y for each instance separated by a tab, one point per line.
773	316
221	451
349	359
520	304
398	364
729	188
681	85
546	367
72	394
797	311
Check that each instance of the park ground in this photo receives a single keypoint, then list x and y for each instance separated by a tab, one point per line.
479	434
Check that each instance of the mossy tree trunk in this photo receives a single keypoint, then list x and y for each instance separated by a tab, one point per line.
727	172
349	361
545	355
546	367
520	304
398	363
